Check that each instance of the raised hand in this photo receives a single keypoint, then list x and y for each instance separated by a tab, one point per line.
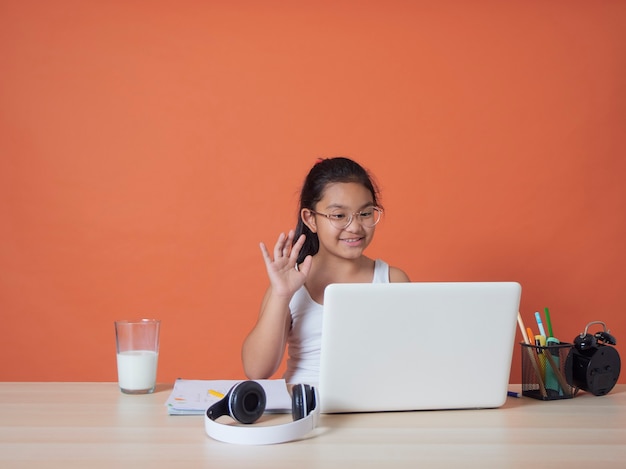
284	276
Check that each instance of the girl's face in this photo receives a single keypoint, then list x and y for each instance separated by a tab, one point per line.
340	202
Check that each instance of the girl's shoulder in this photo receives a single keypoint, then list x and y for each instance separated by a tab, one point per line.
384	273
397	275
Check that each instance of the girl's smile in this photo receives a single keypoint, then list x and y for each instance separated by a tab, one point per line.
353	242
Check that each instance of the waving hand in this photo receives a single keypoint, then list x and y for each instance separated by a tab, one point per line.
284	277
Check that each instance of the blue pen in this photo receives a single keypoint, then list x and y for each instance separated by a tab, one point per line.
542	331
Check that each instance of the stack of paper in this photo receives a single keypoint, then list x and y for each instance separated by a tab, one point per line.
194	397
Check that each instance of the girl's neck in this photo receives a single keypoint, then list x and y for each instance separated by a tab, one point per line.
346	266
328	269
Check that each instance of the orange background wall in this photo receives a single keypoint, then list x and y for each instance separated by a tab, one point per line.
148	146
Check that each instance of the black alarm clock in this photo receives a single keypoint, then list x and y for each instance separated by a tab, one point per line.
593	364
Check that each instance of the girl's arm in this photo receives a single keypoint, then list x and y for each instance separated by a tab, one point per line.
263	349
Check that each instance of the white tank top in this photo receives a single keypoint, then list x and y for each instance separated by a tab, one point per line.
305	337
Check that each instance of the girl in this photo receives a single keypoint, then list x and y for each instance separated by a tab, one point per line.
338	213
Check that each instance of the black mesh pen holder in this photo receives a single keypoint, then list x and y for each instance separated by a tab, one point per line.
544	374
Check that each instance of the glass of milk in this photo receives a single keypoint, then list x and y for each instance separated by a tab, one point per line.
137	343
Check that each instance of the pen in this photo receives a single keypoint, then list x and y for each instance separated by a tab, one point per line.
527	333
215	393
542	331
540	341
513	394
548	322
520	323
533	358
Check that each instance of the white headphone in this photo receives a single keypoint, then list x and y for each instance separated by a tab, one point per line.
245	402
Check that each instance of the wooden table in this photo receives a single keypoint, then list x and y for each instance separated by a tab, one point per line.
95	425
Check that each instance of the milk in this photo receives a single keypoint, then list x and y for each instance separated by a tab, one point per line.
136	370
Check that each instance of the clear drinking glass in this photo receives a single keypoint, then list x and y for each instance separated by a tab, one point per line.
137	354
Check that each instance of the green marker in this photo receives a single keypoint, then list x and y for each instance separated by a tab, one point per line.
548	322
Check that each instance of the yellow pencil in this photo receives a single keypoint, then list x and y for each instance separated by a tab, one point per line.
215	393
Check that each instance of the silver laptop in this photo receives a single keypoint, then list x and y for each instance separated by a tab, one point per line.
417	346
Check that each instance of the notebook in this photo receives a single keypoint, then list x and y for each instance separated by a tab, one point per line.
417	346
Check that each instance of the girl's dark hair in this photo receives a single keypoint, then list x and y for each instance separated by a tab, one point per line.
327	171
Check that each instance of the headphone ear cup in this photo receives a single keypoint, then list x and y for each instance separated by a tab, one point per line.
247	402
303	401
297	402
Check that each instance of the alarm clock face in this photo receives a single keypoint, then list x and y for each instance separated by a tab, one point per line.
594	370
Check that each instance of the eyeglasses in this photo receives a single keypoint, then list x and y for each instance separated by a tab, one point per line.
368	217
